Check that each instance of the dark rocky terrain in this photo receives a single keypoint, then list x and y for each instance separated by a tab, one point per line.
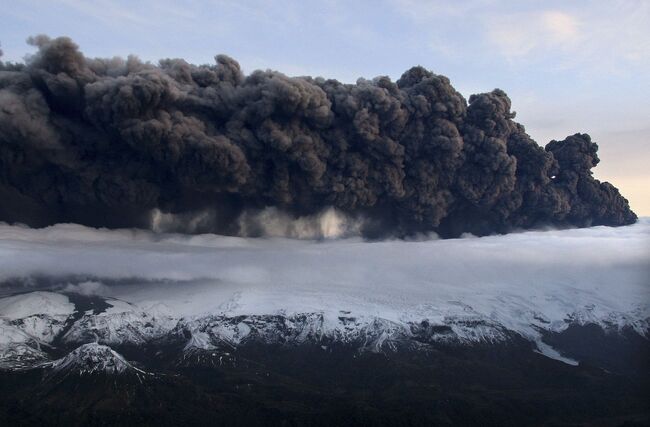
505	384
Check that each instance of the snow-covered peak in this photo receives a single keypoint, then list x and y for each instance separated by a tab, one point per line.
121	323
94	358
33	317
35	303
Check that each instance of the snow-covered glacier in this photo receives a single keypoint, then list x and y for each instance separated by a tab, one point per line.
67	285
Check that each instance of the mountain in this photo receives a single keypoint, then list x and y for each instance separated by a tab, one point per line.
536	328
93	358
26	341
271	368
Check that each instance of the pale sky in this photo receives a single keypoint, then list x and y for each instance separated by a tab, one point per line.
568	66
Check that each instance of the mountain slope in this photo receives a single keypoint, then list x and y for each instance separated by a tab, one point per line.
93	358
128	327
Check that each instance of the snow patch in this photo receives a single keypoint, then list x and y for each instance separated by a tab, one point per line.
548	351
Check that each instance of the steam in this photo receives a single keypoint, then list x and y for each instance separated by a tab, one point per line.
190	222
88	287
329	224
268	222
122	143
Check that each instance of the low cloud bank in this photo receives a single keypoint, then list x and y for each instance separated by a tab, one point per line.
600	262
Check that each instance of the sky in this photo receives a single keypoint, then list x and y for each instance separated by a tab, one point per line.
568	66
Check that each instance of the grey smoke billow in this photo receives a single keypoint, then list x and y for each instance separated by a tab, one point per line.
103	142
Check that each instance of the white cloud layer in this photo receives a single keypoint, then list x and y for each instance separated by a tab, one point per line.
552	273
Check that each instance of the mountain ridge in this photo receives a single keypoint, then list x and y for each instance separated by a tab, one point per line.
126	324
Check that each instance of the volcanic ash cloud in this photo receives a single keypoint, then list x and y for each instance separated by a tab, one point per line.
118	143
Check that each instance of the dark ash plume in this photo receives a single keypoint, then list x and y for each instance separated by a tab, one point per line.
105	142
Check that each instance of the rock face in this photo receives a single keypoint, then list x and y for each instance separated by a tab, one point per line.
20	356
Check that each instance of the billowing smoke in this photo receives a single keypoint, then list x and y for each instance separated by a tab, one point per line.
122	143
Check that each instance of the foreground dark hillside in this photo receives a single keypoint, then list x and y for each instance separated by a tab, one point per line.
495	385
